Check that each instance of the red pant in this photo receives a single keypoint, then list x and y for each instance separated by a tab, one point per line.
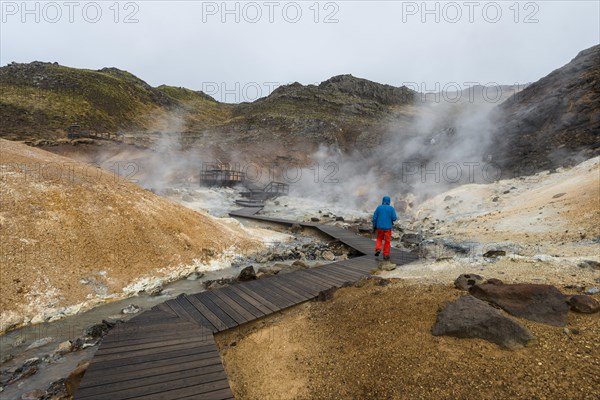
384	234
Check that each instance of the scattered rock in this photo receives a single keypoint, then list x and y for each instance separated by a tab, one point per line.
155	291
36	394
271	270
448	198
40	342
593	290
495	199
365	228
218	283
131	309
314	219
341	219
77	344
494	281
22	373
494	253
300	264
194	276
458	248
295	228
74	378
465	281
326	294
536	302
98	330
584	304
64	347
411	238
247	274
556	196
468	317
328	255
387	266
57	391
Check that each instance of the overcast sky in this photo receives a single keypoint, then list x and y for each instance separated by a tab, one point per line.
200	45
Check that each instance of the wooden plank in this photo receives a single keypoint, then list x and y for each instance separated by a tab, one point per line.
151	328
103	351
299	284
190	343
179	310
133	383
355	267
200	351
131	337
196	391
313	279
345	271
125	332
268	292
226	308
212	317
308	274
215	309
152	315
91	375
344	277
194	313
240	298
116	376
325	275
221	394
255	295
161	384
247	315
163	307
294	294
283	300
139	340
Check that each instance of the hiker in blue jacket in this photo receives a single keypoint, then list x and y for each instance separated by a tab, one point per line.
383	220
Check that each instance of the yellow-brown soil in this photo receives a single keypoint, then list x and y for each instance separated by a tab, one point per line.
72	233
375	343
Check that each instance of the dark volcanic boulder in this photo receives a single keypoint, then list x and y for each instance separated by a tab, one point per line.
584	304
465	281
247	274
536	302
468	317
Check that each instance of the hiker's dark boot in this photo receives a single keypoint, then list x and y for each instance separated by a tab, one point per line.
377	253
386	257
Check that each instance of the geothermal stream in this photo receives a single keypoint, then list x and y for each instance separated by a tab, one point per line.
36	345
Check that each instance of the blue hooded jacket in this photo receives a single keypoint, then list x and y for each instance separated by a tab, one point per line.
384	215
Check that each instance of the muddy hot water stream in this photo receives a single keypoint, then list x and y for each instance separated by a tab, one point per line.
41	340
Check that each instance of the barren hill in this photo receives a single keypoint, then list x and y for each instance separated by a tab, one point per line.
554	121
72	233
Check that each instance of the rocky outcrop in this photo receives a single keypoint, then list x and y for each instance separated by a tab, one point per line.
357	87
554	121
584	304
466	281
468	317
536	302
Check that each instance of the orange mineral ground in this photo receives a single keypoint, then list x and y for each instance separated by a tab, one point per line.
73	235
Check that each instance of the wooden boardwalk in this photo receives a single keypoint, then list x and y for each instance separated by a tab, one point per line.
168	352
